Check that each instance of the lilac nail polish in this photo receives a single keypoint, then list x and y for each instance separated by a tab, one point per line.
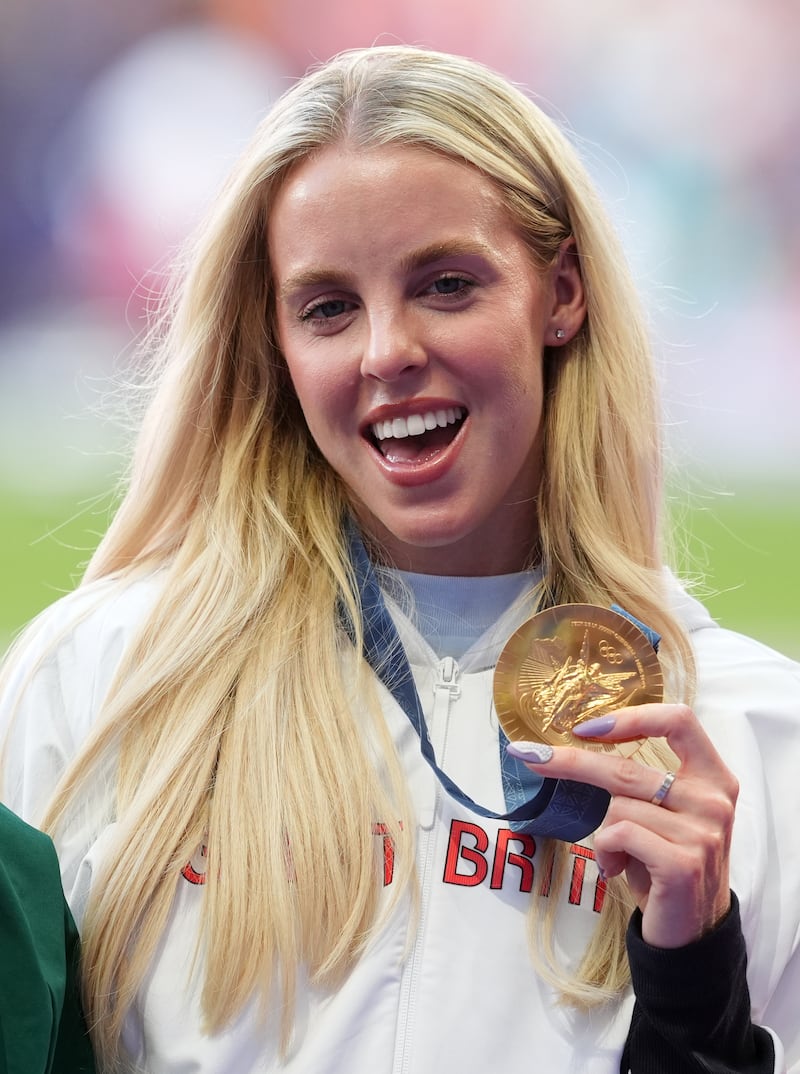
600	725
533	752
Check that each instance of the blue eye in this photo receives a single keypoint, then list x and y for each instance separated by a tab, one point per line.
331	307
451	285
448	285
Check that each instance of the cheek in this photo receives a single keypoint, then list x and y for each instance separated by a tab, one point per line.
524	388
308	377
323	400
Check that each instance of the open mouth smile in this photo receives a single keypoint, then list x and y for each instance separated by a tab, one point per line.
417	438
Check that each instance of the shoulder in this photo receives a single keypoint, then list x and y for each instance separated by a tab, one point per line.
747	695
733	666
740	667
30	881
95	621
23	846
747	698
91	611
79	637
56	678
748	701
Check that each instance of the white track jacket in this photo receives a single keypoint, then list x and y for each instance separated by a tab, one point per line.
463	997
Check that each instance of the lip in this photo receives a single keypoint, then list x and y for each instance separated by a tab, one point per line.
410	475
387	411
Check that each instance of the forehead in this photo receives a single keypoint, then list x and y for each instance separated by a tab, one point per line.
344	198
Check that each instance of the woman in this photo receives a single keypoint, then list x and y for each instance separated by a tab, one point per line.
403	398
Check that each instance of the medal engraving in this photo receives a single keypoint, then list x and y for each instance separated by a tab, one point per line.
568	664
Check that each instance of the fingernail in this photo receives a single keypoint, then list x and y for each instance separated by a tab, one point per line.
602	873
534	752
600	725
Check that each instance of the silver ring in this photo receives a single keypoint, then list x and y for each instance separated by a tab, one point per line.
663	790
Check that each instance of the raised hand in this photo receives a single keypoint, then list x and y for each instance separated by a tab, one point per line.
671	837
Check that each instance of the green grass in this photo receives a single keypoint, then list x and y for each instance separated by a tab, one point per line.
743	547
46	542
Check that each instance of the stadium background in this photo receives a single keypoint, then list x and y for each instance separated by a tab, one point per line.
117	123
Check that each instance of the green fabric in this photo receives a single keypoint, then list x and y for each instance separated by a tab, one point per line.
42	1030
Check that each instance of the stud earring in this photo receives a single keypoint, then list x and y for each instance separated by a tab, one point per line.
560	333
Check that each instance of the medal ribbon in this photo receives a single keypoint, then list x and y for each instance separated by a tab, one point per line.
562	809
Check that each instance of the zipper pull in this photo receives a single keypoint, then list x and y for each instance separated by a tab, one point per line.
445	691
447	677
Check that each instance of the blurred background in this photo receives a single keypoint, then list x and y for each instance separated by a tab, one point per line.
118	122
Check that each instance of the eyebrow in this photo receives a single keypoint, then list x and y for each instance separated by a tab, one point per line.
440	251
311	278
416	259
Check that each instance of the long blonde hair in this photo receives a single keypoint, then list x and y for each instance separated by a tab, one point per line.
243	662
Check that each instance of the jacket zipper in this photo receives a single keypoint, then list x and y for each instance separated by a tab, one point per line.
445	691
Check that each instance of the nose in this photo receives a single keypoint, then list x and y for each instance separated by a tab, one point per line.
393	345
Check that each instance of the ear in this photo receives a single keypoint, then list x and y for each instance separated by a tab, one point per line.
569	299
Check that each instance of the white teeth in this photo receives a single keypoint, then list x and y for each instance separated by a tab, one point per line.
416	424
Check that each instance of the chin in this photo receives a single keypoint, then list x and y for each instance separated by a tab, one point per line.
429	549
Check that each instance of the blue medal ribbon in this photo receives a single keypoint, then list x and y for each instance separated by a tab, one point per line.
557	808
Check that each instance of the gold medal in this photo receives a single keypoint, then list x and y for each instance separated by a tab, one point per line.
569	664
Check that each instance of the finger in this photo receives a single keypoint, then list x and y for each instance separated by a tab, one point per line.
700	815
611	864
682	826
618	775
685	888
676	723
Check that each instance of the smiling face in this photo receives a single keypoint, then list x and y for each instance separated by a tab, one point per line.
413	324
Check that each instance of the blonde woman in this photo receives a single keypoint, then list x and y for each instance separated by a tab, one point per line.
402	398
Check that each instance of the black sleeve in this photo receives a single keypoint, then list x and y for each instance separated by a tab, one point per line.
692	1011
